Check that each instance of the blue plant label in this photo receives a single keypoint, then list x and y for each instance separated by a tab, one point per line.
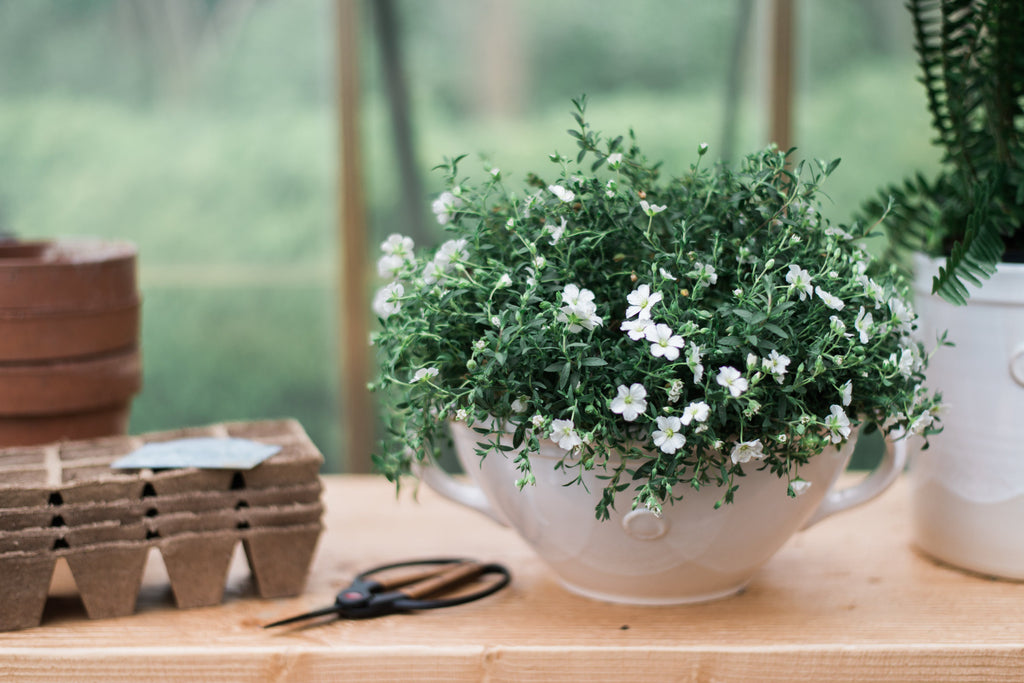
204	453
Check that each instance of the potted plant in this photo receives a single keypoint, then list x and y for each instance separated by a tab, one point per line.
965	226
673	369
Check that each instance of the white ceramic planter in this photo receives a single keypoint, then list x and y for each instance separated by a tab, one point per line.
968	488
691	553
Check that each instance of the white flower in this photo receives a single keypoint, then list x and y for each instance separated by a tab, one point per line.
663	342
837	326
836	231
539	262
832	302
641	300
705	270
496	321
432	272
389	265
519	405
667	275
562	193
424	374
537	421
480	344
799	486
578	311
445	206
495	172
799	280
846	392
572	295
744	452
461	414
667	436
775	365
564	433
397	245
614	160
556	231
698	411
631	401
873	289
863	324
837	423
651	209
922	422
730	378
504	281
636	328
388	299
902	315
675	391
906	363
693	362
452	250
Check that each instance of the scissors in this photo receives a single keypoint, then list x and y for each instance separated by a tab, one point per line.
382	590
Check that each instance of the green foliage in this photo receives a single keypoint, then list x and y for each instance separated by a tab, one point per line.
695	326
971	58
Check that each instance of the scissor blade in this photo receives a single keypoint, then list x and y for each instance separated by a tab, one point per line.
333	609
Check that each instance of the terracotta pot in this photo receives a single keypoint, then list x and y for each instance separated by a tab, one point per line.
66	299
36	429
67	274
67	386
69	329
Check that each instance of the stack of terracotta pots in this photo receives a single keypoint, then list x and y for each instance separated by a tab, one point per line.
69	332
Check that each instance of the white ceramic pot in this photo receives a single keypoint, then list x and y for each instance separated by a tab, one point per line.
691	553
968	487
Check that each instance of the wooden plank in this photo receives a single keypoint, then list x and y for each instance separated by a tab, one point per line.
848	599
357	415
781	108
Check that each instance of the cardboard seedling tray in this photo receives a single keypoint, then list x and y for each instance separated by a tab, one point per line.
64	500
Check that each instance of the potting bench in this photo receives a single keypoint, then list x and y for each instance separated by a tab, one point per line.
847	600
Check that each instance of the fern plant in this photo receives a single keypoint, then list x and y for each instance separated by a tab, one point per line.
971	56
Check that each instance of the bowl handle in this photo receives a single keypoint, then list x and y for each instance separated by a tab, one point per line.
880	479
468	495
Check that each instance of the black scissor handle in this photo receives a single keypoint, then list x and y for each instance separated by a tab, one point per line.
369	596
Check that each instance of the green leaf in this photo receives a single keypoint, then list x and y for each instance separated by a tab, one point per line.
594	362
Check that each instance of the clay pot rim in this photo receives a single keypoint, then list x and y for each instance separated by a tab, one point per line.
62	252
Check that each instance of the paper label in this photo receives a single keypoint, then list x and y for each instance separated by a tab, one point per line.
204	453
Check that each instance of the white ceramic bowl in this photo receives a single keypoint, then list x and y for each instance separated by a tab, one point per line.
690	553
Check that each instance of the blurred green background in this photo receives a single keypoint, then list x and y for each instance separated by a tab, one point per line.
205	131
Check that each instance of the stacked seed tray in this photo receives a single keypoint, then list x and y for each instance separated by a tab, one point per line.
64	500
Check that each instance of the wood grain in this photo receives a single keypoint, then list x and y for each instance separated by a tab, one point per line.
846	600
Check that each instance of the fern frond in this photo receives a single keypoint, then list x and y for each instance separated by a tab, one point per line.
975	257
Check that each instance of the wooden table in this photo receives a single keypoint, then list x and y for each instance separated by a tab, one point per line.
847	600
